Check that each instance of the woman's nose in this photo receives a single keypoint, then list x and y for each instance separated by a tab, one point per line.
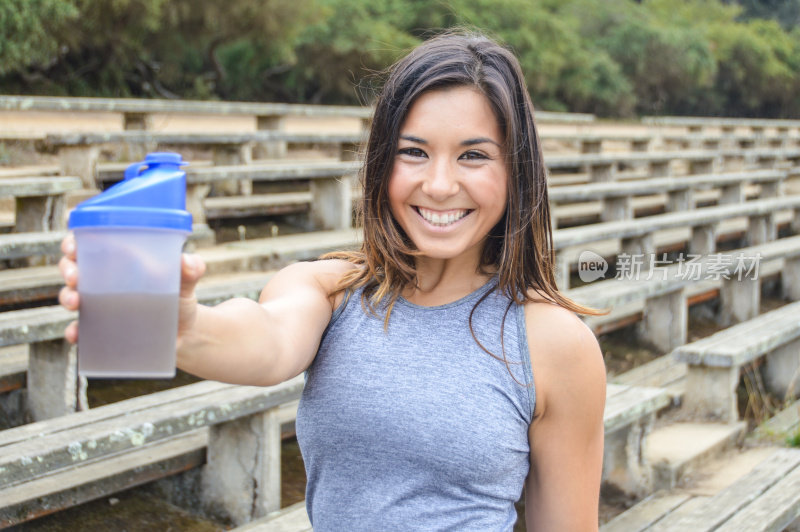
441	181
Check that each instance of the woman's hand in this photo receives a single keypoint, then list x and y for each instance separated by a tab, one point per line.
192	269
68	296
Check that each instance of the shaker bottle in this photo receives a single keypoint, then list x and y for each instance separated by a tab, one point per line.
129	241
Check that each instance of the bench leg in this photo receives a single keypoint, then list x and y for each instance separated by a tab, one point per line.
705	166
242	477
665	321
562	271
271	150
711	393
591	146
228	154
41	213
733	193
703	240
52	379
616	209
332	203
80	161
740	300
659	169
782	370
679	200
771	189
790	278
601	173
761	230
625	465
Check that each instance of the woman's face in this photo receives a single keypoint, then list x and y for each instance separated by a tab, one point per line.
447	189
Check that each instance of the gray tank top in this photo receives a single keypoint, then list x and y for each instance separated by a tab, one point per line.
416	427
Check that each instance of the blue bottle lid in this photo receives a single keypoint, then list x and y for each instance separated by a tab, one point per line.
152	195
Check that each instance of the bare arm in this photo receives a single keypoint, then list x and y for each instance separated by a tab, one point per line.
241	341
562	491
268	342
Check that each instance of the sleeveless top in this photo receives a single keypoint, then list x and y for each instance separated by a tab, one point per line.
416	427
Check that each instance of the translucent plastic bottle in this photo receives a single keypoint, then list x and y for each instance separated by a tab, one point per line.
129	241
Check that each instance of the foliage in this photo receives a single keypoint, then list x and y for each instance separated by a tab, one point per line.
27	32
610	57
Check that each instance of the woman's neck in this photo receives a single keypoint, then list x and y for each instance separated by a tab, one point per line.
442	281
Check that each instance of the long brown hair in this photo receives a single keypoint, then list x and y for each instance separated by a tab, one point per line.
520	247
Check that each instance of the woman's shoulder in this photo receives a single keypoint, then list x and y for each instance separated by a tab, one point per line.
323	276
564	351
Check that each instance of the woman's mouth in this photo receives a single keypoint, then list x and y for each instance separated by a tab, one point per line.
442	218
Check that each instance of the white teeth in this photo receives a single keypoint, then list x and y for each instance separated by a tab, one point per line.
442	219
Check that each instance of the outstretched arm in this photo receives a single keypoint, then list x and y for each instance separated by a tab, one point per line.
562	490
241	341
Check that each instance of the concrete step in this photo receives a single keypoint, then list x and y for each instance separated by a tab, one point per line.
677	450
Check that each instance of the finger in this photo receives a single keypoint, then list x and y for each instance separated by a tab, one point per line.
71	332
68	246
69	271
192	269
68	298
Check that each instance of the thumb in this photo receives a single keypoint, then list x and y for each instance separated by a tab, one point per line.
192	269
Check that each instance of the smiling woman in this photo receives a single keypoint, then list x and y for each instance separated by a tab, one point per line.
447	189
445	372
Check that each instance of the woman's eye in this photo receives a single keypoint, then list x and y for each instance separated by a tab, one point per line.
473	155
413	152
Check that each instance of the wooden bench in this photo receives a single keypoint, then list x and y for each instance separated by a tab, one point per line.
715	362
617	198
233	430
698	124
765	499
662	298
730	140
40	201
638	238
79	152
593	142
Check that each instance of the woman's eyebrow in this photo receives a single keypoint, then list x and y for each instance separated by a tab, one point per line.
479	140
467	142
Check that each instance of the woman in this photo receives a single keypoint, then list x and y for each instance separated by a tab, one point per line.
444	370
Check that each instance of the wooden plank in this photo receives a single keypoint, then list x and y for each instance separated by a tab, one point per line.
22	187
782	424
720	508
30	458
293	518
71	487
631	404
774	510
257	204
640	517
660	372
18	245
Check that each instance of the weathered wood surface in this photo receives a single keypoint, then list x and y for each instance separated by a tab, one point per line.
101	432
293	518
645	513
781	425
256	205
142	105
19	245
655	185
575	236
627	404
96	478
209	139
719	121
744	342
767	498
22	187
